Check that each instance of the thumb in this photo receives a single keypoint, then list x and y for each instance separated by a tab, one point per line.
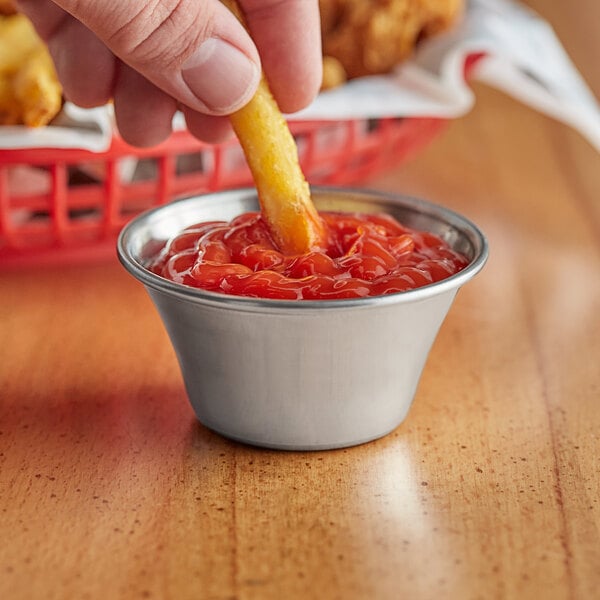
196	51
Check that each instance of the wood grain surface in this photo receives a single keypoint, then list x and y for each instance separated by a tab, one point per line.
109	488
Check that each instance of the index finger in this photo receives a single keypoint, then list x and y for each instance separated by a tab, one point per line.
287	34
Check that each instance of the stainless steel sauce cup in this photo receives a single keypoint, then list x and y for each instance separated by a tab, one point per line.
300	375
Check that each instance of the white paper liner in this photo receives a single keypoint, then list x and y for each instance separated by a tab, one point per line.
524	58
75	127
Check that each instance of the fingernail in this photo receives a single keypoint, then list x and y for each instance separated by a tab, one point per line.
220	76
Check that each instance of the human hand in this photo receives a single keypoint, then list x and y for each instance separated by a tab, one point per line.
152	57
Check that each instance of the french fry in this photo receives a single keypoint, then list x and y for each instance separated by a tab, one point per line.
283	192
272	156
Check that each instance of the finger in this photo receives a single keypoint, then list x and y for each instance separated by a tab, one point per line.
195	51
85	66
143	112
288	36
44	14
208	128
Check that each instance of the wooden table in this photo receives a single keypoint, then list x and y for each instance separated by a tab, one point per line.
490	488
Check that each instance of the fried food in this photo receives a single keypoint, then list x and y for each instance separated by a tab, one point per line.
37	90
17	40
272	156
30	93
9	109
369	37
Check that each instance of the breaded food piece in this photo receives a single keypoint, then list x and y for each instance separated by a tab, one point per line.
372	36
37	90
30	93
17	40
10	111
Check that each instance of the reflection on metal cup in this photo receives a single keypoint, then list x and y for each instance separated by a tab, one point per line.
300	375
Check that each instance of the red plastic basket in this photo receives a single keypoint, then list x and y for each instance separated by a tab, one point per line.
65	206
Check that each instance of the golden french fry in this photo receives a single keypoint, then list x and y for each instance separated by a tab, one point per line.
272	156
283	192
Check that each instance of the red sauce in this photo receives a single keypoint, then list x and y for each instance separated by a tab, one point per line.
366	255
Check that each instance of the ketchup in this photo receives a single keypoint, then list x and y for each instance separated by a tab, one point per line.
366	255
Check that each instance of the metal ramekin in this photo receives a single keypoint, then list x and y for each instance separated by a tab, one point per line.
300	375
